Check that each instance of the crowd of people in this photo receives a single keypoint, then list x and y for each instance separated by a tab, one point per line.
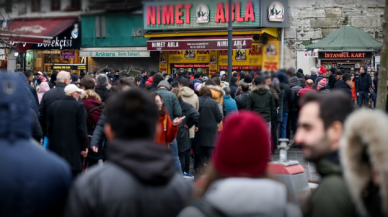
123	145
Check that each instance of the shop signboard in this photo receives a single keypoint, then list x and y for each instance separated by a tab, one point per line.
69	67
202	14
114	53
29	60
163	67
68	39
2	54
243	59
198	44
345	55
67	55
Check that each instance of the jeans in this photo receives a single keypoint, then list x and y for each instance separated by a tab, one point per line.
374	97
283	127
184	158
174	151
363	97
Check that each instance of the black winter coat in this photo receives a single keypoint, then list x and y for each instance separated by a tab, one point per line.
67	130
103	92
209	118
287	97
192	119
241	100
364	83
139	179
294	106
48	99
37	132
341	85
233	89
261	101
332	81
313	77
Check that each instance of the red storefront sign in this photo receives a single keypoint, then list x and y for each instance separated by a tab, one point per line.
199	43
195	65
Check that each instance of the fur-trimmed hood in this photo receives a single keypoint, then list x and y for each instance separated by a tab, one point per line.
217	88
260	87
365	134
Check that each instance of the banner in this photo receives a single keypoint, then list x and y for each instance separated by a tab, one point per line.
242	59
163	62
271	55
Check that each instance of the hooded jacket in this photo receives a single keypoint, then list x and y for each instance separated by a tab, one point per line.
332	197
139	179
34	182
239	197
261	101
218	96
230	104
360	150
190	97
43	88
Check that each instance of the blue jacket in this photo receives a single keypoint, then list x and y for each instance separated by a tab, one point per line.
34	182
230	104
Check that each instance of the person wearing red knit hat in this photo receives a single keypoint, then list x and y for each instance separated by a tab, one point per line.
236	182
321	75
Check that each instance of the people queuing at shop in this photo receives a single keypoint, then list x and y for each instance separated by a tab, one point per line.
172	123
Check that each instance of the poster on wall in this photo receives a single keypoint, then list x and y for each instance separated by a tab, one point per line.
2	54
163	62
196	58
29	60
243	59
271	55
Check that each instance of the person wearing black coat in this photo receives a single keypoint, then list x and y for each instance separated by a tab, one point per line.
51	96
286	103
183	136
363	86
34	182
102	82
233	87
241	100
332	79
37	132
53	79
344	86
67	131
209	118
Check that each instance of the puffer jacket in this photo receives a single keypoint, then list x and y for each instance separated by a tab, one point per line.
261	101
34	182
241	100
189	96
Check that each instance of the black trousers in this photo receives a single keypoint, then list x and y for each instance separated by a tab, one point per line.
293	118
184	158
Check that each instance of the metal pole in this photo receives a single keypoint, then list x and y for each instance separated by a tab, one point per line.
230	42
282	50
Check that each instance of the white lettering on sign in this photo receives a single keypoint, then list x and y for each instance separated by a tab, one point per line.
222	43
240	43
172	44
64	43
158	44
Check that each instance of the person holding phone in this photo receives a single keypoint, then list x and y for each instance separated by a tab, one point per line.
167	129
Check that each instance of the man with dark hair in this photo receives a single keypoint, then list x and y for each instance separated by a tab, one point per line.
321	124
197	78
33	90
241	100
144	78
363	85
88	82
261	101
233	86
345	84
135	164
332	78
156	79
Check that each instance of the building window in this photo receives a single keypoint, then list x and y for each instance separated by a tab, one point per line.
35	6
22	8
55	5
76	4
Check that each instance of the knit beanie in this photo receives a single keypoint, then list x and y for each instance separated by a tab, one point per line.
322	84
164	84
322	70
243	146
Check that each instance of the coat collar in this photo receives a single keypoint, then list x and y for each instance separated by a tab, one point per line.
260	87
60	84
217	88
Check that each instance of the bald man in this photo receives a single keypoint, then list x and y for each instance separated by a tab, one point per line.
53	95
307	88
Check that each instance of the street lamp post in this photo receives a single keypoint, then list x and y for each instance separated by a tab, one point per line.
230	42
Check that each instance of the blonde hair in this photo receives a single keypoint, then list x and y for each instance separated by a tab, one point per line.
177	92
90	94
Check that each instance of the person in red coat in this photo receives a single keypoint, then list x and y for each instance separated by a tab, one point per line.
167	130
307	88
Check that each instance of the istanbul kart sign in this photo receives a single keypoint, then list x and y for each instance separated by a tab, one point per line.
204	14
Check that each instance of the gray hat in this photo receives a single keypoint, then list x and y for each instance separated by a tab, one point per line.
164	84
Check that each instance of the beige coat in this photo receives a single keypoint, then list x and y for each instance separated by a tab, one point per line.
190	97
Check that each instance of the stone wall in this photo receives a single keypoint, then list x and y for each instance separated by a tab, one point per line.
312	20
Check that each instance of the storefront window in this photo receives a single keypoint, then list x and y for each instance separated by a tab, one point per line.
55	5
35	6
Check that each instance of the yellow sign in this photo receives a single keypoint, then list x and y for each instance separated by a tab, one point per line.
81	67
62	67
242	59
271	53
192	56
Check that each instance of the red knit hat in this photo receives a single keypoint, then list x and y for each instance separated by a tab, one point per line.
243	146
322	70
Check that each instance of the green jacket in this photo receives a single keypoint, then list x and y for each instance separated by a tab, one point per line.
332	197
261	101
171	103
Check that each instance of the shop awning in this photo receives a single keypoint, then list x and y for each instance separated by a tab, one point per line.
347	38
199	43
269	31
35	30
114	52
